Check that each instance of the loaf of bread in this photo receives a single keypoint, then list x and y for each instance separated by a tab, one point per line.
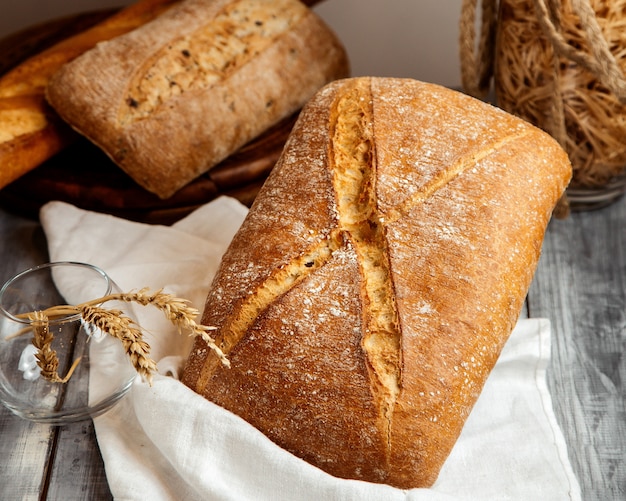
381	269
30	131
173	98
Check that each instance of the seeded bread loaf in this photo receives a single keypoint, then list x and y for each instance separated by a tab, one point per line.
381	269
30	131
173	98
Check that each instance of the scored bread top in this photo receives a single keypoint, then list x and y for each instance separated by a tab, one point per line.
200	59
378	274
30	132
170	100
353	157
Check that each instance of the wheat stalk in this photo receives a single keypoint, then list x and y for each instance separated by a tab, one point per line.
113	322
47	359
179	312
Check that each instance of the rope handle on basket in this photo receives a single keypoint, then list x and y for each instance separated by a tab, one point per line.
477	61
601	62
476	77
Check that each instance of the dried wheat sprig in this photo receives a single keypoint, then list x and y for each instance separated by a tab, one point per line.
113	322
47	359
179	312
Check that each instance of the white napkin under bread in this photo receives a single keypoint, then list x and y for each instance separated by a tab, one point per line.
164	442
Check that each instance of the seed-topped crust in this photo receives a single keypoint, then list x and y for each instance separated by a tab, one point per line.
173	98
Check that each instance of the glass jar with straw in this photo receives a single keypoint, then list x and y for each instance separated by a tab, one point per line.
560	64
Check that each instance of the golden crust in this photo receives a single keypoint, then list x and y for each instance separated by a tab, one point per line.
30	131
173	98
464	193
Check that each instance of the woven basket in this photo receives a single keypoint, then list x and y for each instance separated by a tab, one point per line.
560	65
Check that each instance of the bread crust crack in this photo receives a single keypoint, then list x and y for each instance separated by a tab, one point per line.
237	34
278	283
446	176
353	160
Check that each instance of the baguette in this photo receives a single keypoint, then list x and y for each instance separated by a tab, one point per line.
382	267
170	100
30	131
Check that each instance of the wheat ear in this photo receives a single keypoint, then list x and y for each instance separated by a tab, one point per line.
113	322
47	359
179	312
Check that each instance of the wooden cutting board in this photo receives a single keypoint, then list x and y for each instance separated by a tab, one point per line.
85	177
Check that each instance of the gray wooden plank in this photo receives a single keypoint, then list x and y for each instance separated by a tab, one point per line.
580	286
24	448
78	470
75	469
22	245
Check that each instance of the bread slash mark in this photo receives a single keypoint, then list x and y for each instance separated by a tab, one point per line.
354	170
354	182
201	59
281	281
448	175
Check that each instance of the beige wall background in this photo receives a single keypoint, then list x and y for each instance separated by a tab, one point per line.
401	38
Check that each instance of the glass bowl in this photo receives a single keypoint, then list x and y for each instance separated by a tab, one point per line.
103	374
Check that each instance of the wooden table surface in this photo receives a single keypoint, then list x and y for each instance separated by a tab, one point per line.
580	286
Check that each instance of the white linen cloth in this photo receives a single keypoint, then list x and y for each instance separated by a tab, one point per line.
164	442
